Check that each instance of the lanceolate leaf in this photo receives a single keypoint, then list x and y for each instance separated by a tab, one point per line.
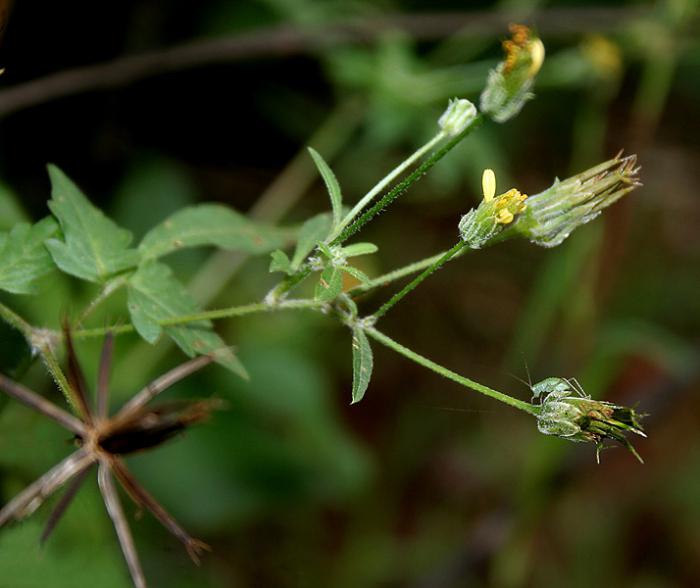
212	224
23	256
154	296
362	363
312	231
357	249
331	185
94	247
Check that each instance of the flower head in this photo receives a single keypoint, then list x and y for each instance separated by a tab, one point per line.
483	225
509	85
567	412
553	214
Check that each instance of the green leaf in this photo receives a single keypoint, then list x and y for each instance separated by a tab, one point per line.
359	249
312	231
95	247
331	185
362	364
211	224
155	296
23	256
330	284
356	273
280	262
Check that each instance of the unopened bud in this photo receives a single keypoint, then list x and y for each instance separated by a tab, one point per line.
458	116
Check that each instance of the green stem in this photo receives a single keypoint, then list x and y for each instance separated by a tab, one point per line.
436	265
203	316
449	374
41	340
13	319
401	187
384	182
397	274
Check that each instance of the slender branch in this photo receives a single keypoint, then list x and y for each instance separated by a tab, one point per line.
403	186
449	374
418	279
203	316
397	274
13	319
290	40
385	181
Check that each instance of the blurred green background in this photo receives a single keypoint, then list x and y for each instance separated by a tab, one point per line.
423	484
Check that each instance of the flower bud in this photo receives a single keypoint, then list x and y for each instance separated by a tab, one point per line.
458	116
509	86
552	215
572	415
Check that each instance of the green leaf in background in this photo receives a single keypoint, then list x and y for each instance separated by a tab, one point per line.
332	185
155	295
312	231
11	212
362	363
330	284
95	247
23	256
211	224
25	563
280	262
358	249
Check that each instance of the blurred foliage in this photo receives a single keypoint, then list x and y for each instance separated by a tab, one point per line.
419	485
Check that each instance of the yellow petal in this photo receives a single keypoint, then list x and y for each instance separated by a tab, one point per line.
488	184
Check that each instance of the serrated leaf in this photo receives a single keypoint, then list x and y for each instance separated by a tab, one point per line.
357	249
330	284
280	262
211	224
155	295
359	275
94	247
332	185
362	364
312	231
23	256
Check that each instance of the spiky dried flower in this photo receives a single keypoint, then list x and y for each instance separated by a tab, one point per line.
103	441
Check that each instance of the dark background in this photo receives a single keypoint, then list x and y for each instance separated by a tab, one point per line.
422	484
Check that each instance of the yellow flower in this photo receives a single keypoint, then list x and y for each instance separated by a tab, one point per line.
508	204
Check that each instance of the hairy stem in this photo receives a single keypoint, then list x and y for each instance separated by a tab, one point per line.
449	374
202	316
444	258
13	319
404	185
384	182
397	274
